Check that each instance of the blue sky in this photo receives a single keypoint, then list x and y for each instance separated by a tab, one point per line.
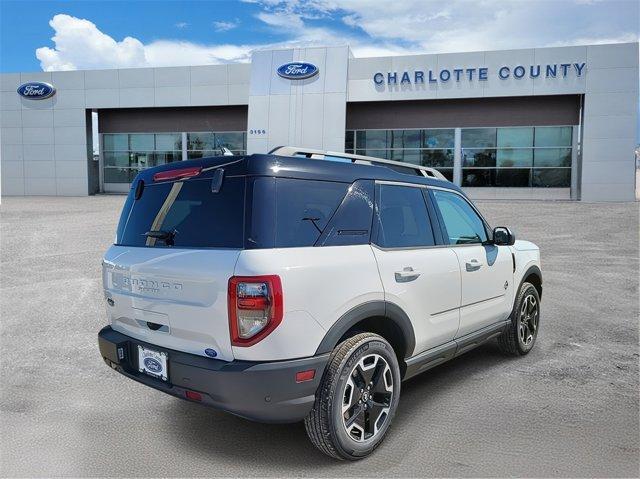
36	35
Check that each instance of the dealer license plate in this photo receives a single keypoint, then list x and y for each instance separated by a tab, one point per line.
153	363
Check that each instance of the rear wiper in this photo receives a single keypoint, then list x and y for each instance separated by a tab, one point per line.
166	236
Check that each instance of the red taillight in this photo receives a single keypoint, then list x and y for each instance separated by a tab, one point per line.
255	308
178	173
302	376
194	396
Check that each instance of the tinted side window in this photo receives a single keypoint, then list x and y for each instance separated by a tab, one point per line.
403	220
303	209
351	223
463	225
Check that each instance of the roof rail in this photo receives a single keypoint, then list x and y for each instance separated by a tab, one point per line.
360	159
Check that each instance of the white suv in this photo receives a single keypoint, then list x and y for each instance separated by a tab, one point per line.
289	287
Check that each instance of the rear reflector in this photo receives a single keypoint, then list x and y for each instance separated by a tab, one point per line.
194	396
302	376
177	174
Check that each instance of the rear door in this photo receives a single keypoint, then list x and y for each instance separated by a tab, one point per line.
487	269
166	276
419	277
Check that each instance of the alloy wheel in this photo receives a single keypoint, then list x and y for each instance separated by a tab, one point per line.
367	397
528	324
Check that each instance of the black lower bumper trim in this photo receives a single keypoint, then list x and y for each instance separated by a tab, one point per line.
260	391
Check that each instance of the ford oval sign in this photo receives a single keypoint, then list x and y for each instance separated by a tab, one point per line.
36	90
297	70
153	365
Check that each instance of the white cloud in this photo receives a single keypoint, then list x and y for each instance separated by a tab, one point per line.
181	25
79	44
222	26
464	25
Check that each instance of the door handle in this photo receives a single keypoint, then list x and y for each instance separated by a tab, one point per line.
407	274
473	265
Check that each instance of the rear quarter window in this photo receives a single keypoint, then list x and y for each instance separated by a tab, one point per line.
287	212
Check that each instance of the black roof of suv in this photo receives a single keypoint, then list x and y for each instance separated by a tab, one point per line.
294	167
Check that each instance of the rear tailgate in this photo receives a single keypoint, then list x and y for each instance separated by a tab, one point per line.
173	298
165	279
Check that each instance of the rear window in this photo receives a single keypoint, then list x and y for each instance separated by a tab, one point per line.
185	214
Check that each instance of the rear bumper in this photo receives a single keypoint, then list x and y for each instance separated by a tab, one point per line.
260	391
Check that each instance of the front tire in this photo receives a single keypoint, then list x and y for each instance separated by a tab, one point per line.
357	398
520	334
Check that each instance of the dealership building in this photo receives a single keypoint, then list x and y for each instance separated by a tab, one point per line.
544	123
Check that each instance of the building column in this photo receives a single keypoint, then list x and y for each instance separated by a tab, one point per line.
575	163
457	157
184	146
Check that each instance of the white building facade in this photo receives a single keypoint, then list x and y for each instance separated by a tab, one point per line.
548	123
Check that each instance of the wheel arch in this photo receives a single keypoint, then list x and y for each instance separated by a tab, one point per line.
533	275
380	317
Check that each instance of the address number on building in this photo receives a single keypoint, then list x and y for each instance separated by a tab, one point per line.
257	132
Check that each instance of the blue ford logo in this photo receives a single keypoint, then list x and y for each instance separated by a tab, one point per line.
152	365
210	352
297	70
36	90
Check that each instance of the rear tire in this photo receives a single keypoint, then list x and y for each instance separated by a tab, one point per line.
357	398
520	334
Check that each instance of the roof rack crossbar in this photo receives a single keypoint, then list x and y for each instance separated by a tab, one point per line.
361	159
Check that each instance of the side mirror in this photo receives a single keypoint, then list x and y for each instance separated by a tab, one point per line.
502	236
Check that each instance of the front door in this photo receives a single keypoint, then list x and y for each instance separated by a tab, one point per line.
420	278
486	269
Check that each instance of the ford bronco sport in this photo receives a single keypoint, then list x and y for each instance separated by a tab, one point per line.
289	287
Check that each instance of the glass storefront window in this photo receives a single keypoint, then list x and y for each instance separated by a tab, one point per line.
116	158
124	154
371	139
552	177
553	136
119	175
404	139
515	177
115	142
509	157
479	138
515	138
437	158
520	156
169	141
194	155
349	144
164	157
141	141
552	157
234	141
439	138
424	147
201	141
475	177
479	158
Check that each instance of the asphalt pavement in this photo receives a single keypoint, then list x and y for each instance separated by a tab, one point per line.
569	408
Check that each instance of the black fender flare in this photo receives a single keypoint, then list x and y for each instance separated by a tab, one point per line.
535	270
370	309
